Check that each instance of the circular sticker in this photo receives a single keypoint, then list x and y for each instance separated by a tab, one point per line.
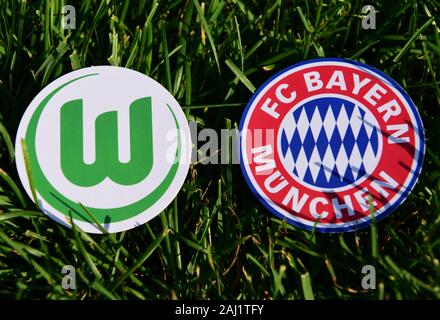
328	143
105	145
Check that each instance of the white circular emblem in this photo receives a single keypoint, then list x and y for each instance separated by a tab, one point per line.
104	141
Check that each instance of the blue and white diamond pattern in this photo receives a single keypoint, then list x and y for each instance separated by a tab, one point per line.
329	142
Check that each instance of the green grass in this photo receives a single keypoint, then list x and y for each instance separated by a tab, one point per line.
215	240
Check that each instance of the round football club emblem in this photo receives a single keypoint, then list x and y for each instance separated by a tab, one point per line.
106	146
330	143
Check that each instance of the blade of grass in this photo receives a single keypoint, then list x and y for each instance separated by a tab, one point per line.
20	214
166	58
29	173
145	255
240	75
208	33
305	21
412	39
306	283
82	249
7	139
14	187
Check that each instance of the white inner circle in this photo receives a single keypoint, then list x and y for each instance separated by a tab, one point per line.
310	162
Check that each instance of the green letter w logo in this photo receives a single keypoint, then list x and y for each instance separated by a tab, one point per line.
106	162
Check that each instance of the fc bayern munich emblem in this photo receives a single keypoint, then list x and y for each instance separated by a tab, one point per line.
327	143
